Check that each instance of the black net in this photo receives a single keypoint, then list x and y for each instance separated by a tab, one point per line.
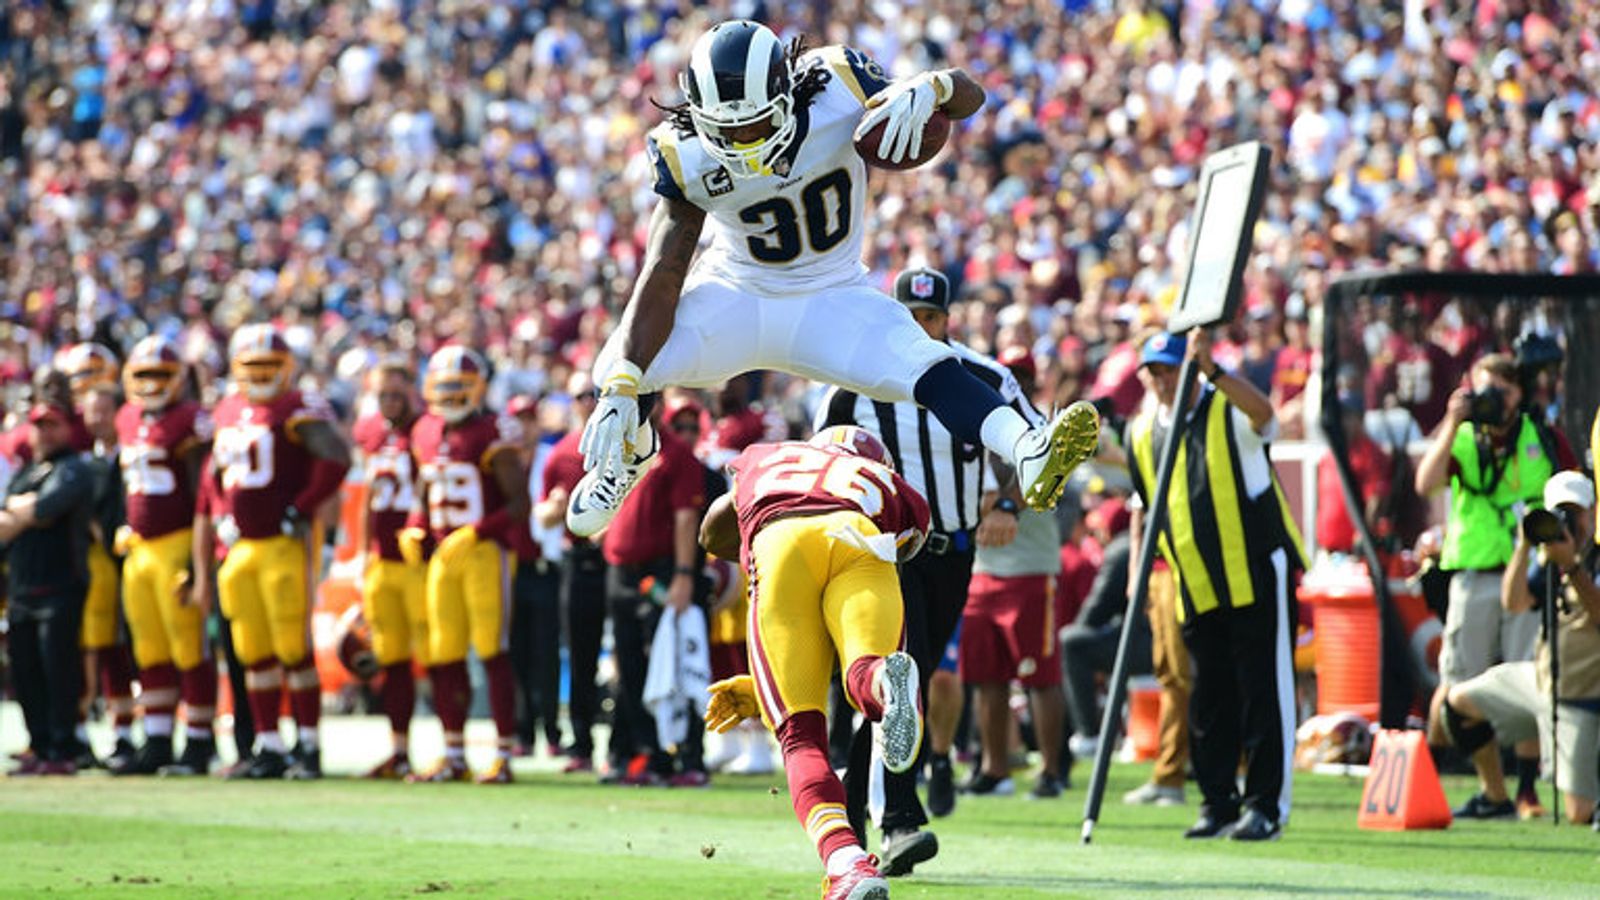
1396	346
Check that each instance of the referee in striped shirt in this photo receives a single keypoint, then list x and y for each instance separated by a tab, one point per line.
949	473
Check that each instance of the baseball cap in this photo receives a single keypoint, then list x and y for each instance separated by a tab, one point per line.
521	405
1569	487
923	287
1015	357
677	405
1165	349
43	411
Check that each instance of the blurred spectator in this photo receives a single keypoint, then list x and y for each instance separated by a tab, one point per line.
1371	467
536	610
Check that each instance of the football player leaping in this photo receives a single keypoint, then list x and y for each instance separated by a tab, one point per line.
278	457
764	147
818	528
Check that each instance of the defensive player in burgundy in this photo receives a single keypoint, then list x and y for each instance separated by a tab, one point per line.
164	439
88	368
819	527
473	489
391	587
278	457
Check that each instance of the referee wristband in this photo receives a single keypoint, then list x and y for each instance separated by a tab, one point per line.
1006	505
683	570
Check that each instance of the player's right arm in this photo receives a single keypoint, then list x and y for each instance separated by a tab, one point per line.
675	228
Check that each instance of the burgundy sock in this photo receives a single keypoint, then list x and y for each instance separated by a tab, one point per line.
399	695
266	703
451	694
305	694
116	682
819	800
502	695
198	686
858	684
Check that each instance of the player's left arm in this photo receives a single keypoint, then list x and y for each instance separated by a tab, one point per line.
719	530
330	460
512	477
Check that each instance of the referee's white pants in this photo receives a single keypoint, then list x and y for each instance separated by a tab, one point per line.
851	335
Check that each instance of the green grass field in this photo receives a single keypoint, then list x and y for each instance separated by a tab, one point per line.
553	836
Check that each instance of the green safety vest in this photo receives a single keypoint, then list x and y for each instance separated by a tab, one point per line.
1218	541
1482	528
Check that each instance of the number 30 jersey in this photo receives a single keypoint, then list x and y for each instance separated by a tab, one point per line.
260	461
390	477
776	481
799	228
160	498
457	466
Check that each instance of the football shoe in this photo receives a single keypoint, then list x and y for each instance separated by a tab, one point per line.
1046	455
862	882
899	732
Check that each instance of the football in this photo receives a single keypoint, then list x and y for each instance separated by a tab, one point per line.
934	135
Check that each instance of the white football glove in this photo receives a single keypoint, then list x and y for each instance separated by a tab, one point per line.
608	435
906	106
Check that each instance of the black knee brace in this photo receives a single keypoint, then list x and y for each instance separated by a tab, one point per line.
1467	738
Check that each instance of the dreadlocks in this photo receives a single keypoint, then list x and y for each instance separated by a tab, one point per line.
808	82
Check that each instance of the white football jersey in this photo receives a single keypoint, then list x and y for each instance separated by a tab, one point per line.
800	228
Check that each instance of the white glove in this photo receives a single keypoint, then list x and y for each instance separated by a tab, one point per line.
907	106
608	435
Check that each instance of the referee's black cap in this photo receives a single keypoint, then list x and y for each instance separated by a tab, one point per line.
923	288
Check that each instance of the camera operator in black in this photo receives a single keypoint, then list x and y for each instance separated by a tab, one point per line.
1496	459
1512	701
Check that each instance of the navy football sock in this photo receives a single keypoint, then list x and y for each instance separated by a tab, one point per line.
959	399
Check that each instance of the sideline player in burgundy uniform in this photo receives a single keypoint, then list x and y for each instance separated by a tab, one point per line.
89	367
164	440
473	489
391	587
278	457
819	527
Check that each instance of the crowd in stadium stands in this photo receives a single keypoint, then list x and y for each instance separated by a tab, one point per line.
395	176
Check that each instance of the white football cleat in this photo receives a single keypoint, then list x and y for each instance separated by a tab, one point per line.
899	733
598	496
1046	455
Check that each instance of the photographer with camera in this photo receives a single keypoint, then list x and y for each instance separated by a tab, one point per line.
1513	701
1496	459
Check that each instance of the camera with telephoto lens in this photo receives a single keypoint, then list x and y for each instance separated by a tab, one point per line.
1542	526
1488	406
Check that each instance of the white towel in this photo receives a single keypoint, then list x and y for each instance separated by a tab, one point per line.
680	671
880	545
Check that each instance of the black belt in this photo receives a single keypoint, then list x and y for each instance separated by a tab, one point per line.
940	543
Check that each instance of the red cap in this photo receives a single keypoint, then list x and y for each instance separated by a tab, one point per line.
521	405
42	411
678	405
1111	515
1015	357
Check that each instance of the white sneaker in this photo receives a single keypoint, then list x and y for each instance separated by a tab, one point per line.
598	496
729	750
756	758
1152	794
1046	455
1084	746
899	734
